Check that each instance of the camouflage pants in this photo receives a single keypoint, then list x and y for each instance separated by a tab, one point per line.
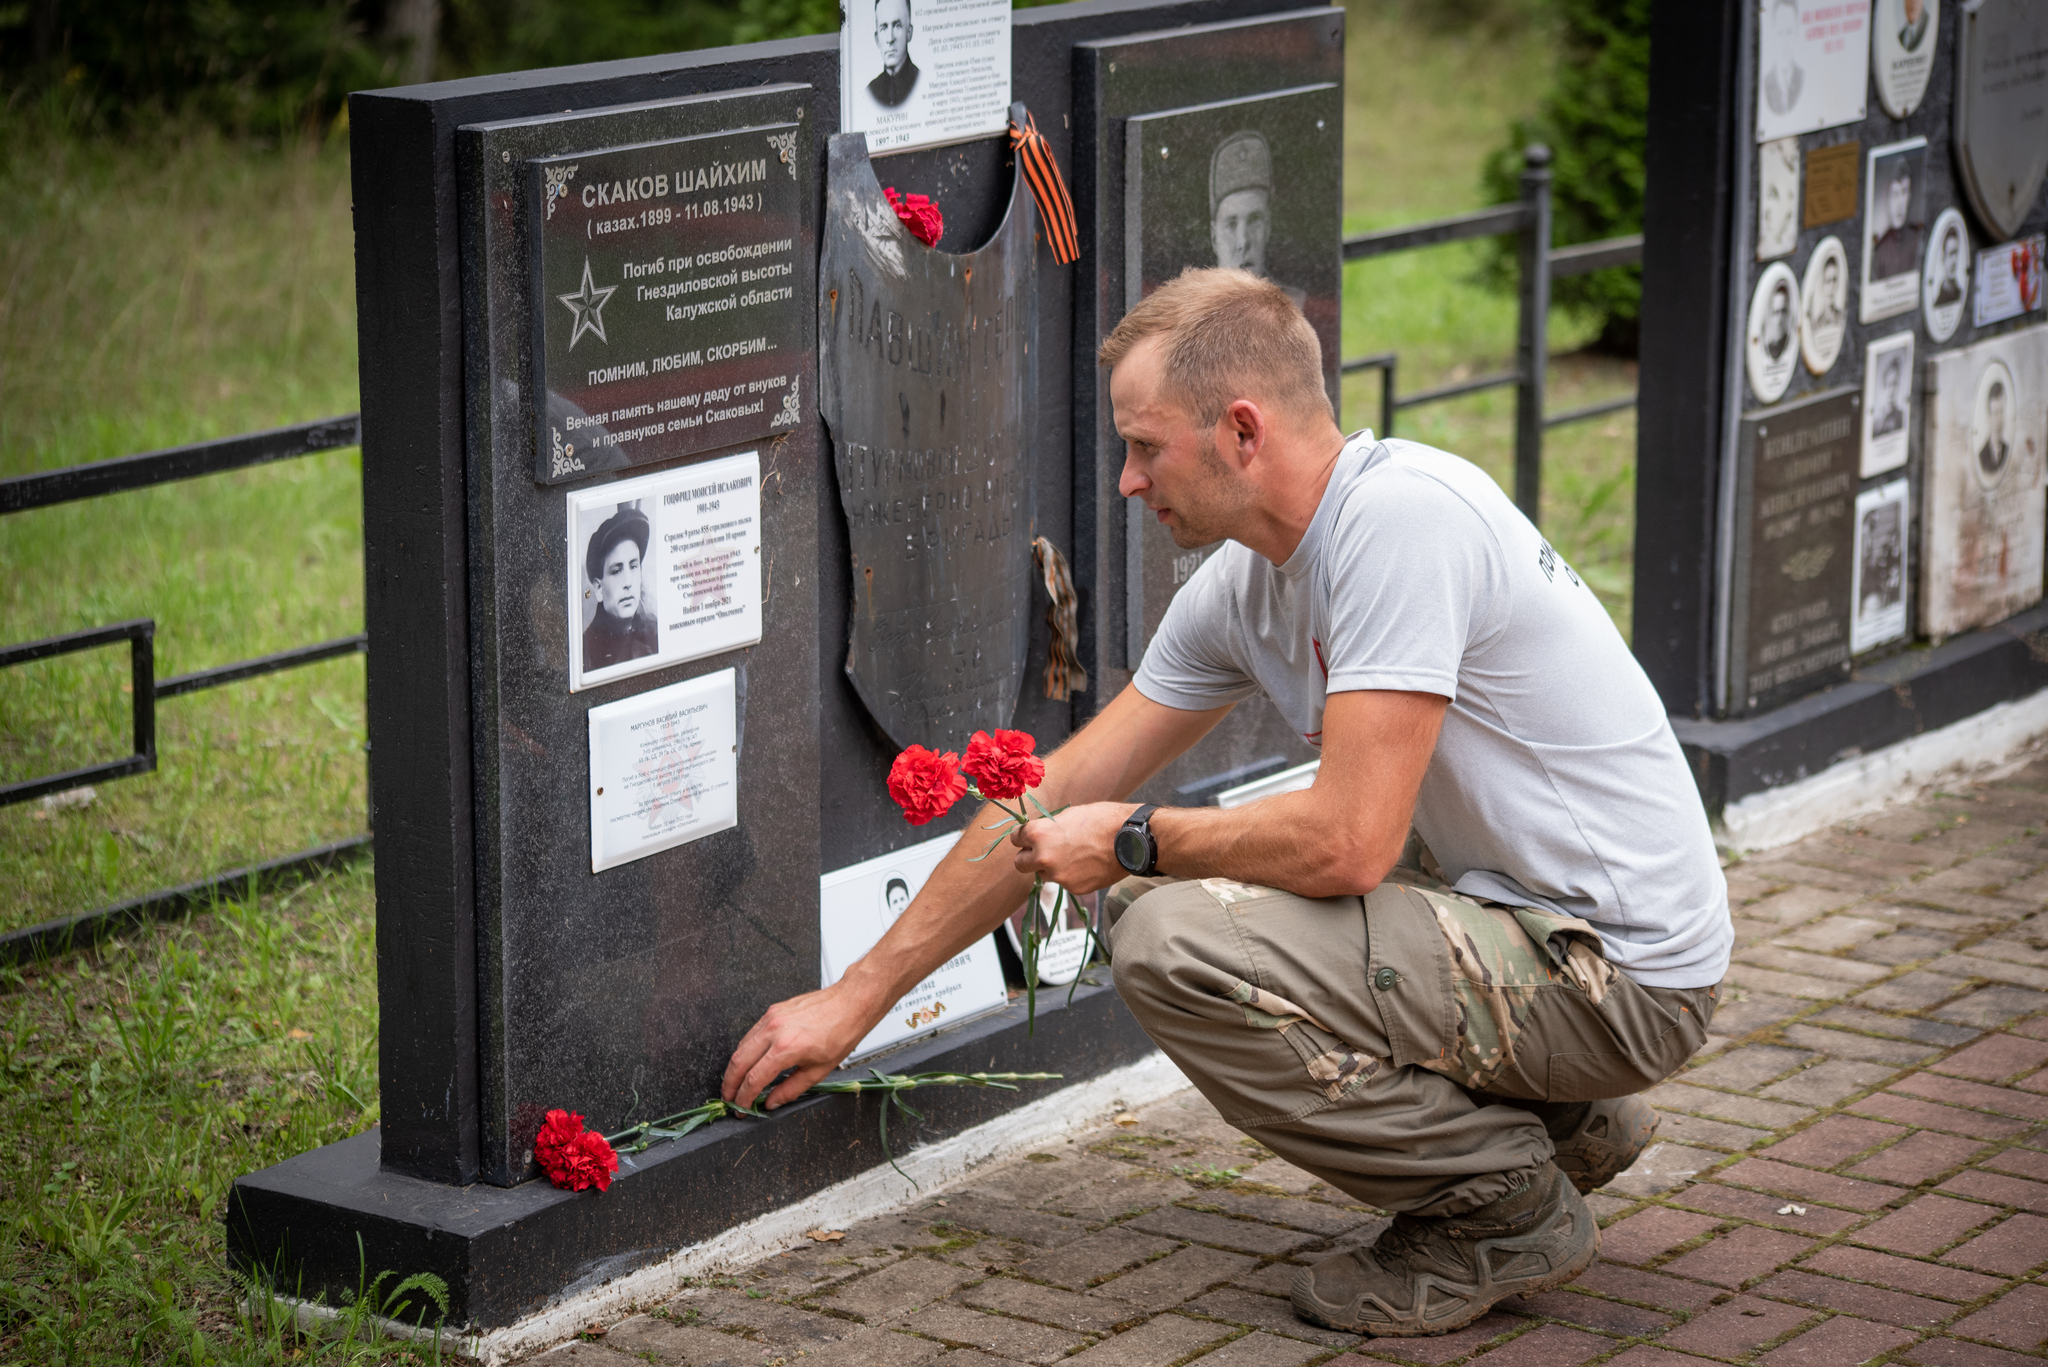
1403	1046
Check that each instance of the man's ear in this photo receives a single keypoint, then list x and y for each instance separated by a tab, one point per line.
1242	430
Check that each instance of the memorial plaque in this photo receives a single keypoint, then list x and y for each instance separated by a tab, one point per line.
2001	109
1982	523
1777	199
1880	588
1811	66
1794	549
1887	403
1238	183
928	383
666	314
1945	279
1824	305
1902	47
2008	281
1831	183
1771	341
664	769
1894	220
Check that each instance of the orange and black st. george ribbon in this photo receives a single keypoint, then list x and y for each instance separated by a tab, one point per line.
1042	174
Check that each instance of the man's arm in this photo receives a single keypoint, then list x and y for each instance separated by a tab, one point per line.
1128	742
1338	837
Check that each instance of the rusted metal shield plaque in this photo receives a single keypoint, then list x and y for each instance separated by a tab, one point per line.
928	382
2001	108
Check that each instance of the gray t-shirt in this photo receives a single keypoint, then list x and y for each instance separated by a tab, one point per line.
1556	781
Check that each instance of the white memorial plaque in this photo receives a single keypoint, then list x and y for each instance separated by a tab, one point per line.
917	72
1812	60
1887	403
1063	944
1894	199
1777	201
2008	281
1945	280
1772	341
1824	295
1982	508
856	907
664	769
1880	591
663	569
1902	45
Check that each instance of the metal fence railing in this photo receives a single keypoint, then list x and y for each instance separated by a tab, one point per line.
1539	264
44	489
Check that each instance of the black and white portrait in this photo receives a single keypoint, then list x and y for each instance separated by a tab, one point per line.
1887	403
1913	30
1784	79
895	897
619	622
1825	293
1893	223
1773	332
1879	614
1945	285
1991	428
898	77
1777	203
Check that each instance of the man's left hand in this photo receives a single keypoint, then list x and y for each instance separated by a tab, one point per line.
1076	849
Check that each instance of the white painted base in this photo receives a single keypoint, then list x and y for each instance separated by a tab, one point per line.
936	1167
1996	739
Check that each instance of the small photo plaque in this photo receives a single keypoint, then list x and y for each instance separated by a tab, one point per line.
1945	280
664	769
1813	64
664	568
1880	614
856	907
1777	199
1894	221
2008	281
911	76
1887	403
1831	183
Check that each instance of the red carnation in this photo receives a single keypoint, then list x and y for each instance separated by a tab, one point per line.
1002	765
919	215
925	783
573	1157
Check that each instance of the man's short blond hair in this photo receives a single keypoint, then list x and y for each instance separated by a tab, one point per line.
1227	335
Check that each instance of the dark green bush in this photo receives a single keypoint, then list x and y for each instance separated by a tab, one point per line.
1594	120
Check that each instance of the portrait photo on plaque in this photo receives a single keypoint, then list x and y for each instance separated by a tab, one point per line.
2008	281
663	568
917	72
1824	305
664	769
1887	403
1904	35
1982	504
1945	281
1894	220
666	320
1063	940
1771	342
1879	615
1811	69
856	907
1777	198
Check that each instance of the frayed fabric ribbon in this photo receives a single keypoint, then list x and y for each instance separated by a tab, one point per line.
1048	188
1063	672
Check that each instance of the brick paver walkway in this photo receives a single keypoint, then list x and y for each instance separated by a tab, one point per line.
1856	1168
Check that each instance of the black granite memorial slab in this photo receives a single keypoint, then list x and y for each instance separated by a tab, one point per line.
1797	494
620	993
928	383
1118	79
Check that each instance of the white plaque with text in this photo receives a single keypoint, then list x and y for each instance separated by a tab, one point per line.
856	907
664	568
911	79
664	769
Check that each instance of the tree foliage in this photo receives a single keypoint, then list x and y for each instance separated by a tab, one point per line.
1594	120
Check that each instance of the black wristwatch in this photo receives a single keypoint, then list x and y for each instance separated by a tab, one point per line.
1136	850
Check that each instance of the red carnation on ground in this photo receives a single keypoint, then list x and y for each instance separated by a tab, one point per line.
1002	765
574	1158
919	215
926	783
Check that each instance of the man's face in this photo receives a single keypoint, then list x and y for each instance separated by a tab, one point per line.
1913	8
1951	257
1169	462
1892	372
1785	22
619	590
1830	277
892	33
1239	231
1901	199
1781	305
899	898
1995	410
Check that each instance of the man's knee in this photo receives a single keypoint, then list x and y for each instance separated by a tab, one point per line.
1148	937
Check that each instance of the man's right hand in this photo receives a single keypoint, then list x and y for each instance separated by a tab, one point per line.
811	1034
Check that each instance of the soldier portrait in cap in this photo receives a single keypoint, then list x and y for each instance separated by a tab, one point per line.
1241	204
618	611
892	40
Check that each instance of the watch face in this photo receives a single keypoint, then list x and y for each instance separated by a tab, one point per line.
1131	849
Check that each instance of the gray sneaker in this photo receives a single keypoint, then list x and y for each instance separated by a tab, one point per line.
1606	1142
1428	1275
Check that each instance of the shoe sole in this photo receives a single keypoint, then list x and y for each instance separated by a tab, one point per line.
1592	1163
1565	1275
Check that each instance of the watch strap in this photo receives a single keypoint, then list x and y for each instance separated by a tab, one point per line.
1141	822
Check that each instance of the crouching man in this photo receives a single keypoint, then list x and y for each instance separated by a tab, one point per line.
1462	1048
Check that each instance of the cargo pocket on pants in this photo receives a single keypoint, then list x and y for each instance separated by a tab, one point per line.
1334	1068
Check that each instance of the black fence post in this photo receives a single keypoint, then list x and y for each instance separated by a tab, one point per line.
1532	327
